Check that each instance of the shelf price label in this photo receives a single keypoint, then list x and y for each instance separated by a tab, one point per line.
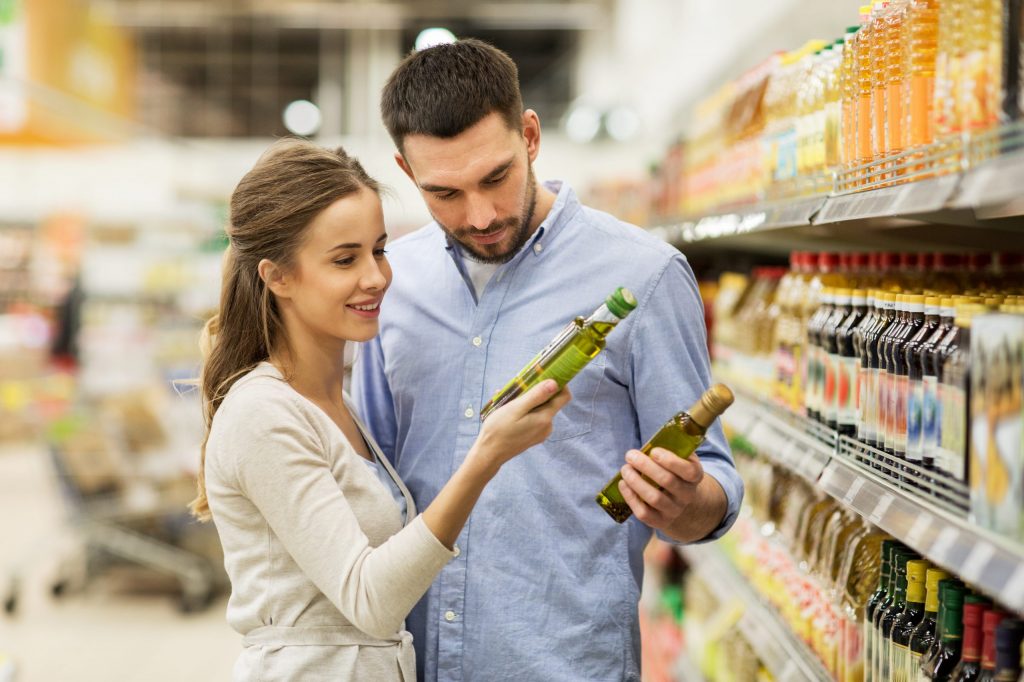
884	502
943	545
855	487
915	536
977	560
1013	592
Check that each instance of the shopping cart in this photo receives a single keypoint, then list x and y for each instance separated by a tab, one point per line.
120	512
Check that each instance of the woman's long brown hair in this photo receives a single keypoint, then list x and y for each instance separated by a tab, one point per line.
291	183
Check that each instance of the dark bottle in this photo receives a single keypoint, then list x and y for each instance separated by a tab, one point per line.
924	633
905	622
876	385
989	622
888	617
915	384
939	666
969	667
913	316
946	588
942	352
1009	635
830	357
930	361
882	351
892	374
862	336
815	356
874	604
847	387
956	388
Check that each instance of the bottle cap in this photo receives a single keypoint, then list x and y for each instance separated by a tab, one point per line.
714	402
621	303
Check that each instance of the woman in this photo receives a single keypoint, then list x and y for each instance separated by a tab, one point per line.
324	565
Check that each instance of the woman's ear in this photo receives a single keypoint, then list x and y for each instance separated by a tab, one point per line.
274	278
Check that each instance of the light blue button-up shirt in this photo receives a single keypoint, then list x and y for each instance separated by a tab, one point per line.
546	585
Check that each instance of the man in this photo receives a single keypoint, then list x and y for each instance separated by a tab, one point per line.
546	585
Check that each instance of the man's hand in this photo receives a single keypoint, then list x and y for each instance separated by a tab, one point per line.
689	505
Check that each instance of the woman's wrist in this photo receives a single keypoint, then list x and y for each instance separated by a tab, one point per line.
479	466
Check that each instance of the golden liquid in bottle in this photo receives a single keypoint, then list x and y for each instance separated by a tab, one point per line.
922	37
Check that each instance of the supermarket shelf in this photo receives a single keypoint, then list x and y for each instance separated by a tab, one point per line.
783	654
928	515
973	182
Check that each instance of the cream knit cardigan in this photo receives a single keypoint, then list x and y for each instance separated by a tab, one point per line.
322	572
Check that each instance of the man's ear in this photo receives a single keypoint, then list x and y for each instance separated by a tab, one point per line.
531	133
404	165
274	278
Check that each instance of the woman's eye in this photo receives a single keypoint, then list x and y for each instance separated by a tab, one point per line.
344	261
379	253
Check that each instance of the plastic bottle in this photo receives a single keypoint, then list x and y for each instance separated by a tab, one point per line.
922	36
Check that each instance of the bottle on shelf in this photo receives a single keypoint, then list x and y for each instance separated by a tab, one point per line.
927	321
875	603
569	352
956	396
913	319
1009	640
923	635
888	618
680	435
943	657
922	34
830	354
905	622
969	667
990	621
931	358
847	382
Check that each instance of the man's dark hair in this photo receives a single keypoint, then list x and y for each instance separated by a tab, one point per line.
443	90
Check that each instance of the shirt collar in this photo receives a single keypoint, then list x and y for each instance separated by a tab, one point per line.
566	206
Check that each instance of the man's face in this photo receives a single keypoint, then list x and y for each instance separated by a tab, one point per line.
479	185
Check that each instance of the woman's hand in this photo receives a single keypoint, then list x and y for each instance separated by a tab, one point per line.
520	424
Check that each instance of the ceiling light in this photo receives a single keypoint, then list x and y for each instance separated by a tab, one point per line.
429	37
302	117
583	124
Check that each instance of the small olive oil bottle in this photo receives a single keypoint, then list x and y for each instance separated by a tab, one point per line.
681	435
569	352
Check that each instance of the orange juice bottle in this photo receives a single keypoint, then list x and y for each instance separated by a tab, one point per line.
922	36
865	84
848	88
982	34
948	67
879	52
833	105
896	24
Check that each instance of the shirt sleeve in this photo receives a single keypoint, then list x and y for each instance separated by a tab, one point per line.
281	468
371	395
671	369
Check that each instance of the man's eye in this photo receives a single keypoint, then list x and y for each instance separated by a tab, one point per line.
445	196
496	181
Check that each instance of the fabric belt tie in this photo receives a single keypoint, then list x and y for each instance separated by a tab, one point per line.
335	635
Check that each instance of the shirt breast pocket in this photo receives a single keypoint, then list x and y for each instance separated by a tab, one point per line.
577	418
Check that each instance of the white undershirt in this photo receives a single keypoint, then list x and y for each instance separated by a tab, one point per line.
479	273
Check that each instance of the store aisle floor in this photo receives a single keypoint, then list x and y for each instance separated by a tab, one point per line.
106	632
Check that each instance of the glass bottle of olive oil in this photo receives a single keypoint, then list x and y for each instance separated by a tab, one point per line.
569	352
681	434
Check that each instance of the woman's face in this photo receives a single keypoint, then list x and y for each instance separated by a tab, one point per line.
335	288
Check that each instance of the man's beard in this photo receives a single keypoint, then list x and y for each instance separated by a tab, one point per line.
519	227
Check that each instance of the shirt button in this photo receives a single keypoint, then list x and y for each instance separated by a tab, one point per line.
477	340
449	616
538	247
456	551
468	412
